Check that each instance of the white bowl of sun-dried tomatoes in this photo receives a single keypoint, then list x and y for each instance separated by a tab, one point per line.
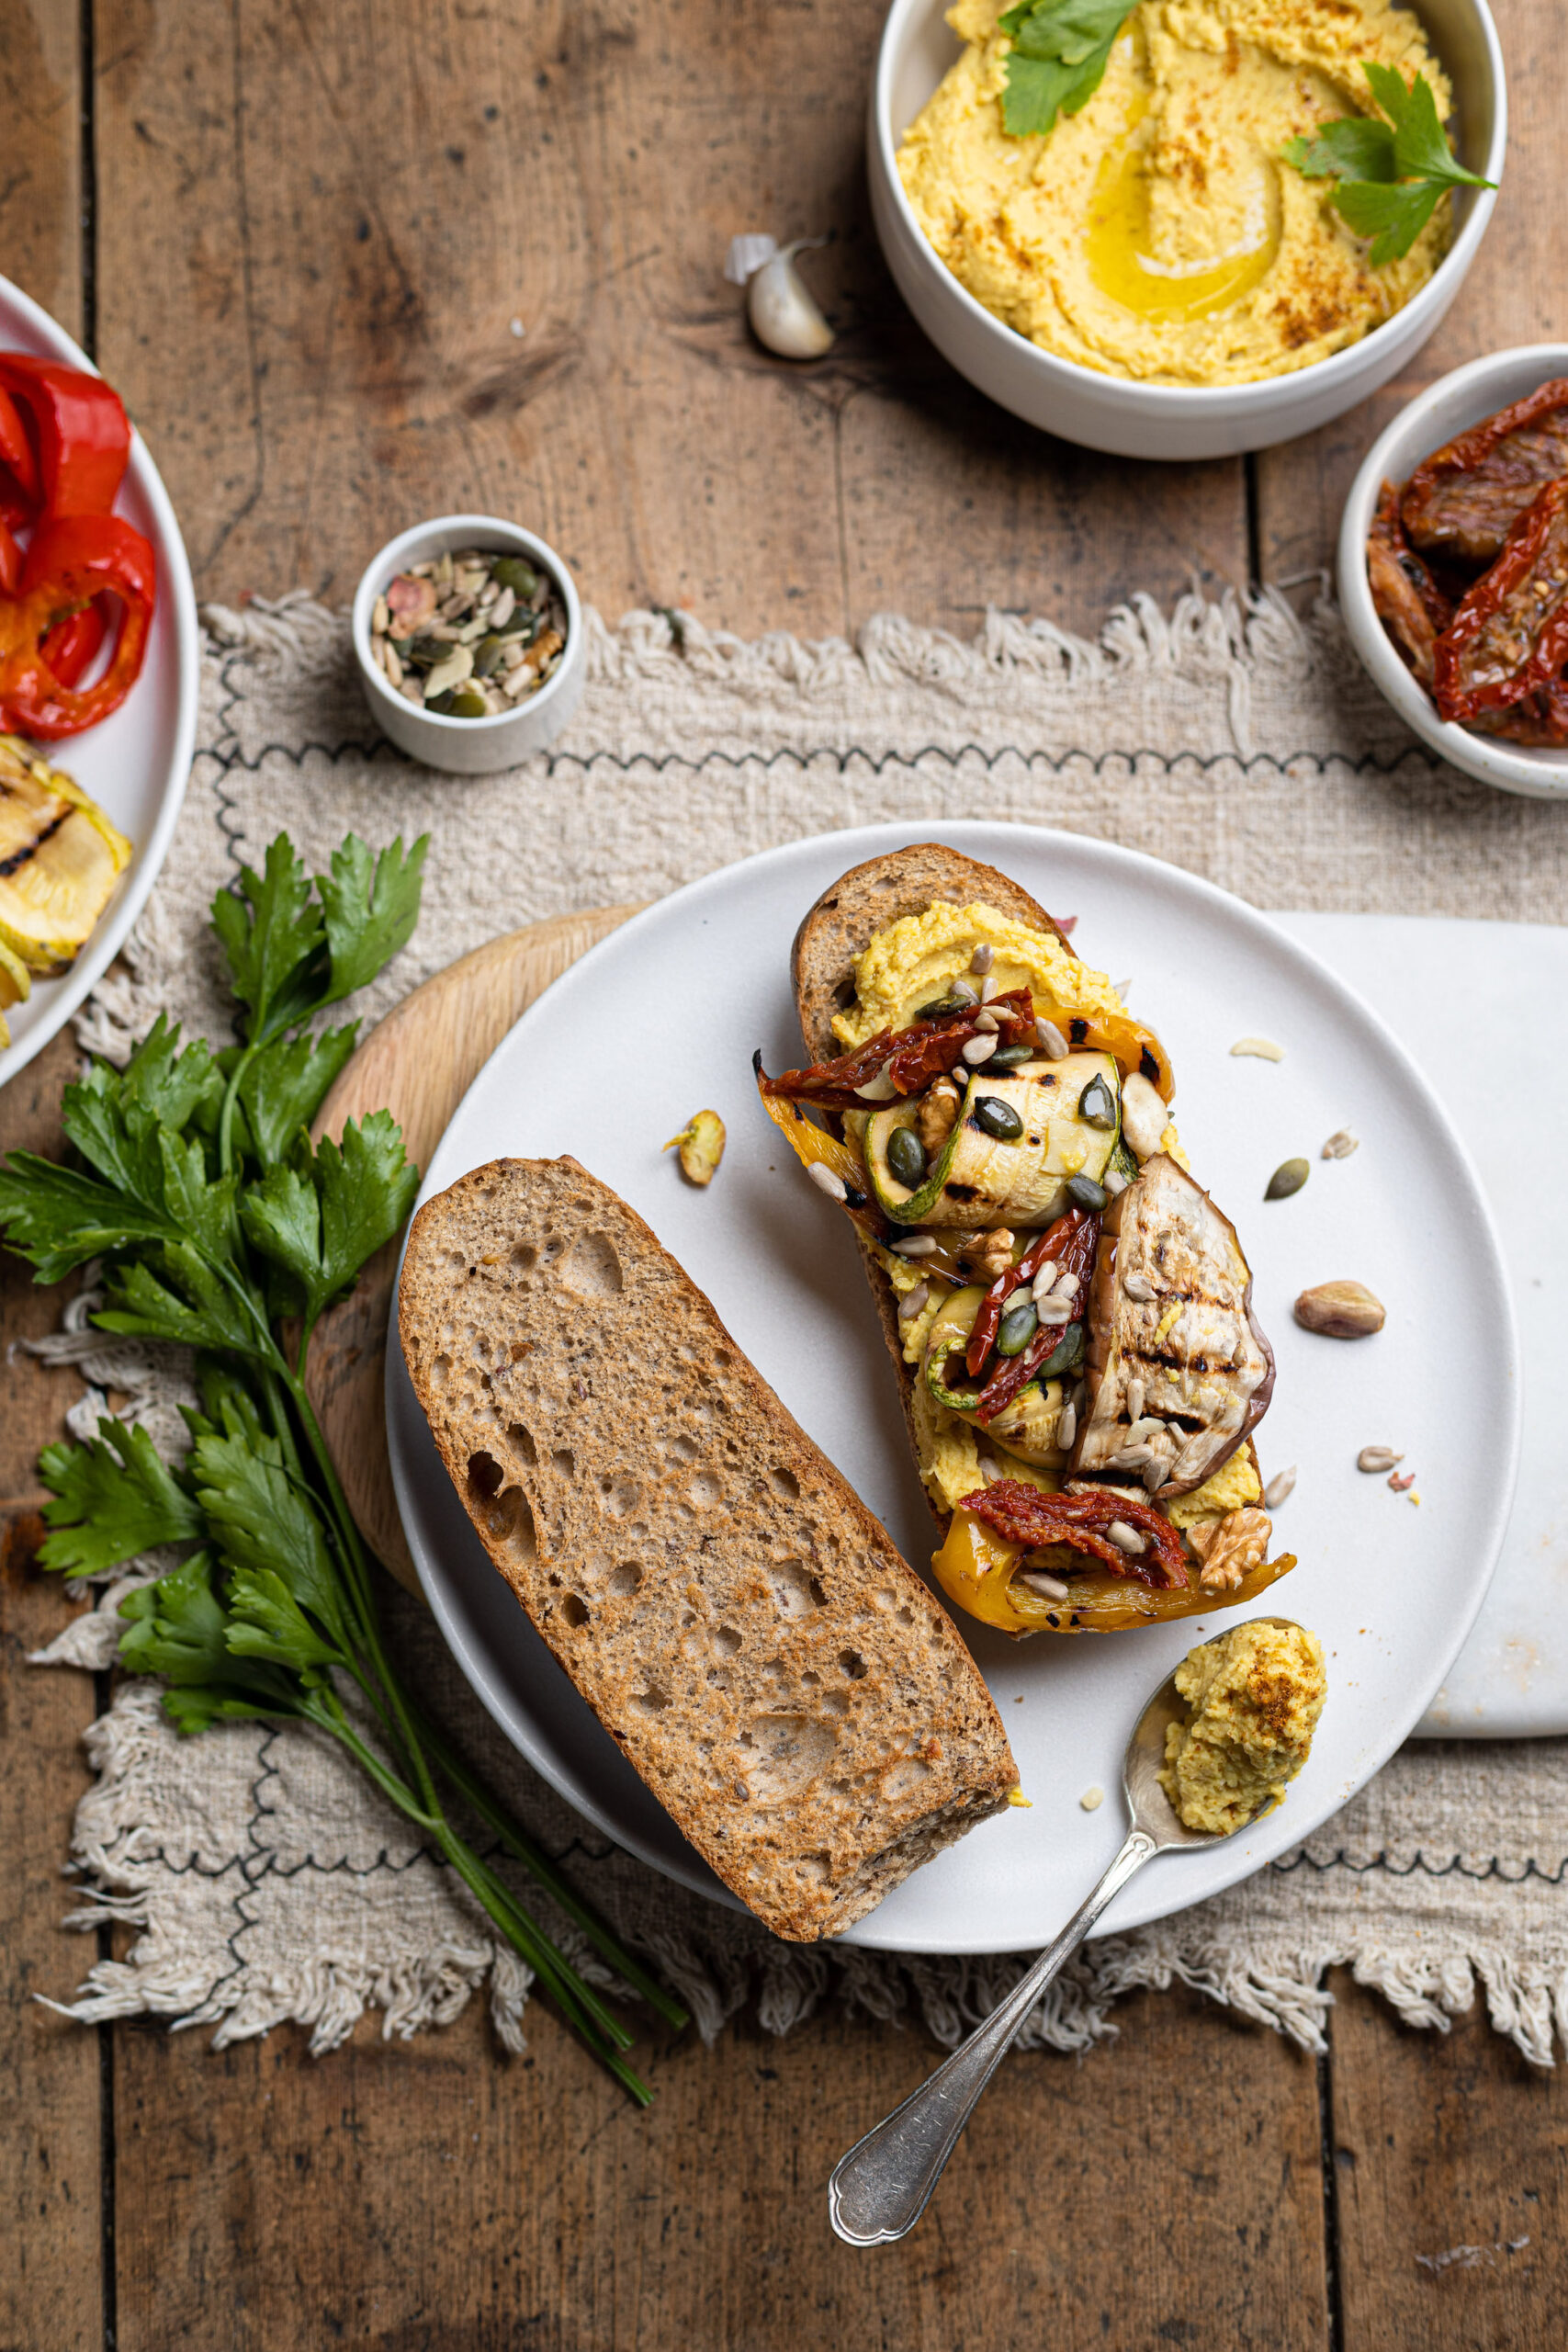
1453	568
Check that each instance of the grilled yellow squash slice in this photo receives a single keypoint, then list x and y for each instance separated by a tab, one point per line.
59	859
16	987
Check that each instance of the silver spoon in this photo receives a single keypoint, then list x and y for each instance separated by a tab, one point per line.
880	2189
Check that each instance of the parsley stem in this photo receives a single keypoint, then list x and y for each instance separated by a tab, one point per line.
538	1864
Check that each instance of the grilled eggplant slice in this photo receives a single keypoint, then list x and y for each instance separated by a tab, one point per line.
1009	1166
59	859
1178	1373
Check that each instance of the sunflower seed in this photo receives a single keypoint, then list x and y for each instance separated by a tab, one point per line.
879	1088
978	1050
1127	1539
989	986
1154	1474
1138	1286
1066	1426
1115	1182
1054	1311
1280	1490
982	959
1134	1400
989	1470
964	992
1262	1049
1373	1458
1048	1587
1050	1040
1066	1284
1341	1144
986	1022
918	1245
1047	1280
826	1180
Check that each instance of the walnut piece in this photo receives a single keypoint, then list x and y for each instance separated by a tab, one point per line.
934	1119
1229	1548
992	1254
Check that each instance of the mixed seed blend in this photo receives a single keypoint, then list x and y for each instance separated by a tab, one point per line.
469	635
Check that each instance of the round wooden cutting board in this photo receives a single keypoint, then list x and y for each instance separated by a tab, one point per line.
418	1063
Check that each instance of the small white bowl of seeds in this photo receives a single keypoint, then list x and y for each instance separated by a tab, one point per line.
469	636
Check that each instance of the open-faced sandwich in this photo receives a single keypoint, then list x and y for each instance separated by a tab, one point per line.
1070	1311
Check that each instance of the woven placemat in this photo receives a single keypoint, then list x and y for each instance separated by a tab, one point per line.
266	1880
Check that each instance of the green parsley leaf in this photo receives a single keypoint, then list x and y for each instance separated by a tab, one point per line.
262	1520
191	1306
321	1221
270	929
1391	173
1358	148
58	1219
269	1623
169	1085
179	1628
113	1500
371	910
283	1085
1060	49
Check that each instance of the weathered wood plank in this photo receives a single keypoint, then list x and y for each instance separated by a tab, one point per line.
1451	2170
50	2181
344	298
1514	294
1164	2191
41	154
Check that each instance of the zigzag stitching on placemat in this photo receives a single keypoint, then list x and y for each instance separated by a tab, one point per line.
1455	1866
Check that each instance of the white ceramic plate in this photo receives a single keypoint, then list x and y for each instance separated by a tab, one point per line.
662	1017
136	764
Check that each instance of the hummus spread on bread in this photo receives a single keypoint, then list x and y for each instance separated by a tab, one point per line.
1158	233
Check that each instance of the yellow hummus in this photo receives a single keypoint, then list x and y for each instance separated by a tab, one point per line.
1157	234
1255	1695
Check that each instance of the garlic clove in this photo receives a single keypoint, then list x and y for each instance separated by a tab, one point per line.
784	317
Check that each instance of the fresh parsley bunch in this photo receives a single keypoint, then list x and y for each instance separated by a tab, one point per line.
219	1224
1057	60
1392	173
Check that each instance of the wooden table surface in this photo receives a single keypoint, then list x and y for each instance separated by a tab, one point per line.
295	237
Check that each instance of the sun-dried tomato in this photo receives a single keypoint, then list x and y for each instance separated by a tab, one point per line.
1026	1515
912	1058
1074	1252
1541	719
1463	499
1411	605
1510	633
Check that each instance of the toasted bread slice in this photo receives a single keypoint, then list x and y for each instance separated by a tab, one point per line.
838	929
735	1616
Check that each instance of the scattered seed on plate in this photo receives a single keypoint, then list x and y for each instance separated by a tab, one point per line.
1341	1144
1280	1490
1092	1798
701	1147
1262	1049
1401	1481
468	635
1288	1178
1373	1458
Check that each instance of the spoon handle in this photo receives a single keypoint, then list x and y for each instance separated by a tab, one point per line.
880	2189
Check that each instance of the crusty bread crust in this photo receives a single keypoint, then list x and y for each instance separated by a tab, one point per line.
838	928
738	1620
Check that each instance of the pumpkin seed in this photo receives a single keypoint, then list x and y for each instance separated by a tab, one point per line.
1097	1106
944	1008
1288	1178
467	702
998	1118
487	655
1017	1328
1066	1356
1011	1057
511	571
907	1156
1085	1194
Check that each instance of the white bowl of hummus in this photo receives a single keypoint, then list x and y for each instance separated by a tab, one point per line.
1150	277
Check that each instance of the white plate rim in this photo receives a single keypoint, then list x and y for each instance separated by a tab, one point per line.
989	840
175	584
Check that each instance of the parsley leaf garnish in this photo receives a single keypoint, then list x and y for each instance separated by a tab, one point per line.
221	1228
1391	172
1057	61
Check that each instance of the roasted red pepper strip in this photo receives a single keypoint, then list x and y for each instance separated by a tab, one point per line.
69	647
1510	634
19	497
912	1057
1026	1515
79	430
1047	1245
1015	1372
72	559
